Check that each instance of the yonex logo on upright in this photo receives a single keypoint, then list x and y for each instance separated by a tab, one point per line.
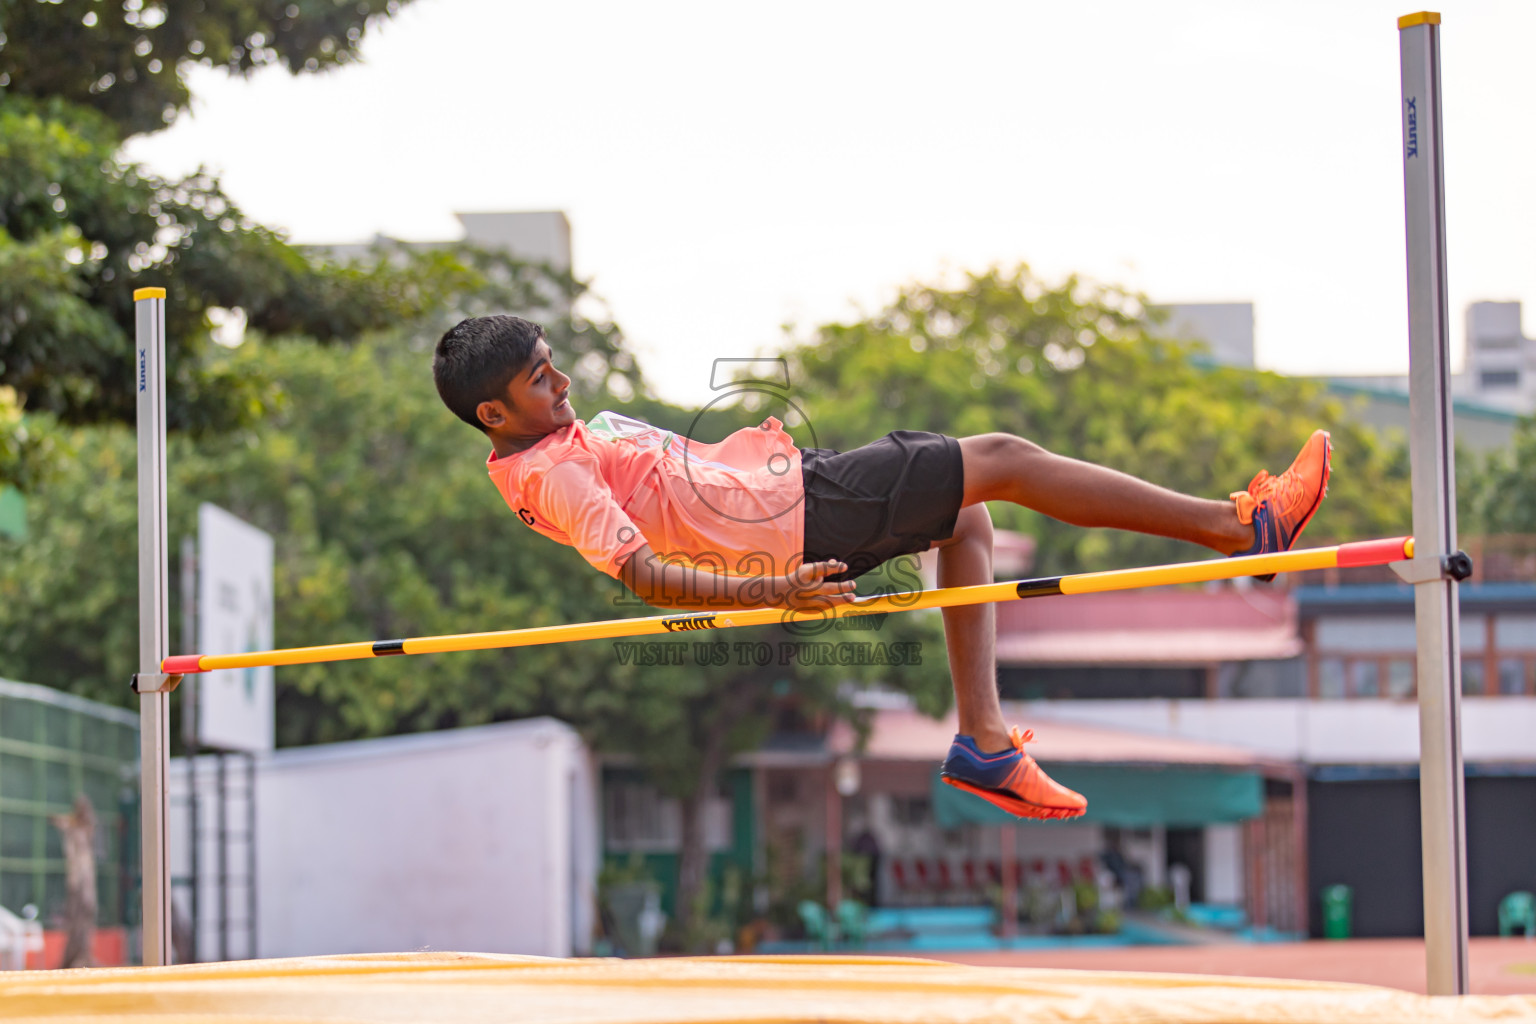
143	370
1413	126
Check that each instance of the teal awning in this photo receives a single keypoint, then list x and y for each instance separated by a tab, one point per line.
1127	797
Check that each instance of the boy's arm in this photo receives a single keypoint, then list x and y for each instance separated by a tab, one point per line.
668	584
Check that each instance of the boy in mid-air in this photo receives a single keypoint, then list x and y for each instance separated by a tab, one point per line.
754	521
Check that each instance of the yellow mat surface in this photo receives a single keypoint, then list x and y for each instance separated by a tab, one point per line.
453	987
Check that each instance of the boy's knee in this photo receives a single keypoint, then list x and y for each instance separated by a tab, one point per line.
973	525
1004	447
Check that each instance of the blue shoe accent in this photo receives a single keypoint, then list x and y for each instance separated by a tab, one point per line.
969	763
1268	537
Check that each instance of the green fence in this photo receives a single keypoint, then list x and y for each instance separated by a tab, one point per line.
53	747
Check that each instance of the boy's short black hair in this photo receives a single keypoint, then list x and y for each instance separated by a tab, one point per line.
477	358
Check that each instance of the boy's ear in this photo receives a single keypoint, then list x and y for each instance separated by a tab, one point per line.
492	414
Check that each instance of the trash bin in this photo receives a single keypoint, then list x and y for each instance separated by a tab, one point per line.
1338	911
637	917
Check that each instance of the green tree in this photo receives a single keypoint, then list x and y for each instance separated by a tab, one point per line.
1499	492
1080	369
25	448
81	228
129	60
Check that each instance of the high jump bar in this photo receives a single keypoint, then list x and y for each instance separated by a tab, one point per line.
1342	556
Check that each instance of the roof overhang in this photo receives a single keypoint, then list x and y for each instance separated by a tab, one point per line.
909	735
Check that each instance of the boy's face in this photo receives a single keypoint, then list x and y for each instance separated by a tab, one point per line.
535	404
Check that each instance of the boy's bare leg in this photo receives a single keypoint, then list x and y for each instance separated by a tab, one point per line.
1002	467
970	632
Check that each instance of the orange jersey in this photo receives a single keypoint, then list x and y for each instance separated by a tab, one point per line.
612	485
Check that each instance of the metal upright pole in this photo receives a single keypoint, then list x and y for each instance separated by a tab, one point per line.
154	640
1433	571
223	854
189	742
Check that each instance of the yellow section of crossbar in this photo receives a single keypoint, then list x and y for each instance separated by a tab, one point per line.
1200	572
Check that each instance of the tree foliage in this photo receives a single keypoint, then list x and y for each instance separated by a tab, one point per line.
81	228
1080	369
1498	493
26	445
128	60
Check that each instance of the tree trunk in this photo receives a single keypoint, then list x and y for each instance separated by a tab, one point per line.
693	857
693	862
79	833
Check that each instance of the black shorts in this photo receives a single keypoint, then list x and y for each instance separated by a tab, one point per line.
894	496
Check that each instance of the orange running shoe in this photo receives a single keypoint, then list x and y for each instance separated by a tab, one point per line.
1280	507
1010	779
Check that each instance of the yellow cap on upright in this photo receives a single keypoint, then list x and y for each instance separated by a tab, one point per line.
148	293
1422	18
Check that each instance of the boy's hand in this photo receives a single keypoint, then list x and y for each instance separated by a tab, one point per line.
805	588
672	586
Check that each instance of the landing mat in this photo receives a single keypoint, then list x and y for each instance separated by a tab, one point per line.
452	987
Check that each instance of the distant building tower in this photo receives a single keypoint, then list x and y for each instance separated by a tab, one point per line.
533	236
1227	327
539	236
1501	360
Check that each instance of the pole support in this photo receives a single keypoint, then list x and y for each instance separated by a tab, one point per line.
1436	582
154	639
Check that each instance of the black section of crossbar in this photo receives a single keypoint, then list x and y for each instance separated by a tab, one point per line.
383	647
1043	587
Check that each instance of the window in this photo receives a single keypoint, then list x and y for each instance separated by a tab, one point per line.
1515	632
1330	678
1373	656
1367	634
911	810
1262	679
637	817
1511	676
1499	379
1400	682
1365	679
1472	676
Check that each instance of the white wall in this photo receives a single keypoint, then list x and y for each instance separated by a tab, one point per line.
1224	864
1314	731
481	839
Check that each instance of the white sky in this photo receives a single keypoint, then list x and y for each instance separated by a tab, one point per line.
729	168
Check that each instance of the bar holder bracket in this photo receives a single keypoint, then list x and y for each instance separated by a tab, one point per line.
158	682
1432	568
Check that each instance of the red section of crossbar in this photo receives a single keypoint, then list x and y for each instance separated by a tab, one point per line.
181	664
1373	552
